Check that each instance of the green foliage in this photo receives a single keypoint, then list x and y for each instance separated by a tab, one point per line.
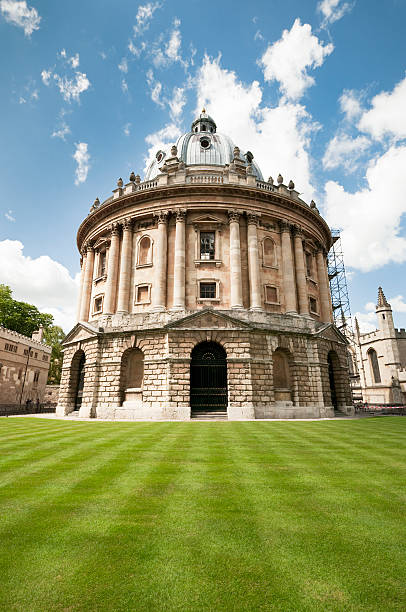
19	316
25	319
203	517
53	337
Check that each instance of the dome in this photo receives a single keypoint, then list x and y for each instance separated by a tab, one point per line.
202	146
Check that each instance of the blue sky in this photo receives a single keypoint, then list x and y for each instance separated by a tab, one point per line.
316	90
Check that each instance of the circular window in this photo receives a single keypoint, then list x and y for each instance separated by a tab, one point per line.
159	156
204	143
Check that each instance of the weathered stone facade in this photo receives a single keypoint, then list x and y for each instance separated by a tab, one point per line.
202	252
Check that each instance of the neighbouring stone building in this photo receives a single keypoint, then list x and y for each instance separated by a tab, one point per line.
204	288
379	359
24	365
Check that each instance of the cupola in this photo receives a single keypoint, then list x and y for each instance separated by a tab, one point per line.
204	123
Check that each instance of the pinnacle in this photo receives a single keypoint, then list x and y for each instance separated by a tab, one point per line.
382	301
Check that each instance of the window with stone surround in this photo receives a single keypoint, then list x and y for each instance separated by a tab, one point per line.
208	290
271	294
12	348
102	267
144	254
269	253
313	305
143	294
208	241
98	304
309	264
207	245
374	365
36	378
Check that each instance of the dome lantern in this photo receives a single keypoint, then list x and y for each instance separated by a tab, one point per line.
204	123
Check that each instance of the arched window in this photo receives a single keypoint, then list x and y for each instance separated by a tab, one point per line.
135	369
373	361
269	254
281	371
144	251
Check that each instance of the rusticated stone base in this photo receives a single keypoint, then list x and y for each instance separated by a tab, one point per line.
252	341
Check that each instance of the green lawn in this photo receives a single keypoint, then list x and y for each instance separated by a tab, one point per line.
202	516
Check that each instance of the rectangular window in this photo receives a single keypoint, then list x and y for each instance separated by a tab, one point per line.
12	348
271	294
313	305
98	304
36	377
102	263
207	244
309	265
142	294
44	357
25	352
207	291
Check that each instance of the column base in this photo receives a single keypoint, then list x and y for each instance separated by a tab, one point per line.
158	309
256	309
177	309
293	313
238	307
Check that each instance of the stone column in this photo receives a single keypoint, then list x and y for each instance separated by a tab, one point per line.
87	284
300	272
180	258
160	264
288	269
235	260
82	280
112	271
253	264
125	268
324	291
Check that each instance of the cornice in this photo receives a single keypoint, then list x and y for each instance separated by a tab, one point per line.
160	195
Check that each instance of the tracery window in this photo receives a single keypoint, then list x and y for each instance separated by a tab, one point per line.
373	361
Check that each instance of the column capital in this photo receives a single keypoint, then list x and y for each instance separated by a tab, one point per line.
320	248
234	216
127	224
297	231
88	247
284	226
114	229
180	214
161	216
253	218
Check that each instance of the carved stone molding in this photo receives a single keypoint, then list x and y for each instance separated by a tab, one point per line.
297	231
284	226
253	219
180	215
161	216
114	229
127	224
234	216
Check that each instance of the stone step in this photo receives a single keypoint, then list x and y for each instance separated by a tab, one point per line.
209	415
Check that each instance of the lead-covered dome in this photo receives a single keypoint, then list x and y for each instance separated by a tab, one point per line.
202	146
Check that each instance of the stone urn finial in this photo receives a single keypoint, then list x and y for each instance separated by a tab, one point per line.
174	151
96	203
120	182
236	151
137	179
291	185
132	177
313	204
280	179
270	180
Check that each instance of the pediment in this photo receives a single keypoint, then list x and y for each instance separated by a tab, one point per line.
330	332
208	319
81	331
101	242
206	219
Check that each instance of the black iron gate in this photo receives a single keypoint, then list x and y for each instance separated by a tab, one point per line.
332	382
208	377
81	380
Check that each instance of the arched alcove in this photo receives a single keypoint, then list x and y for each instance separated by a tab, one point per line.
145	251
132	375
269	253
374	365
282	376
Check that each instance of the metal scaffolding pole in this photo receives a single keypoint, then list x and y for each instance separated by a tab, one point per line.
338	287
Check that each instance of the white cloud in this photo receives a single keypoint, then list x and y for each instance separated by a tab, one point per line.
177	102
82	158
21	15
175	41
165	55
161	139
72	88
350	104
258	35
41	281
278	137
342	150
155	88
22	100
62	131
124	86
46	77
370	218
387	115
289	59
398	303
144	16
9	216
123	65
333	10
367	321
127	129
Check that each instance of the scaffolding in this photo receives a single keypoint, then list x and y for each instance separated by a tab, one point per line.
338	287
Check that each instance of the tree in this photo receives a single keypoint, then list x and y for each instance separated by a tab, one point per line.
19	316
53	336
25	318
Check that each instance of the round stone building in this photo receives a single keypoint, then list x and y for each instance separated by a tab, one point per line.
204	290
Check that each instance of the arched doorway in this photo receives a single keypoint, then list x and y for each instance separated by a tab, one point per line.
332	360
208	378
80	382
